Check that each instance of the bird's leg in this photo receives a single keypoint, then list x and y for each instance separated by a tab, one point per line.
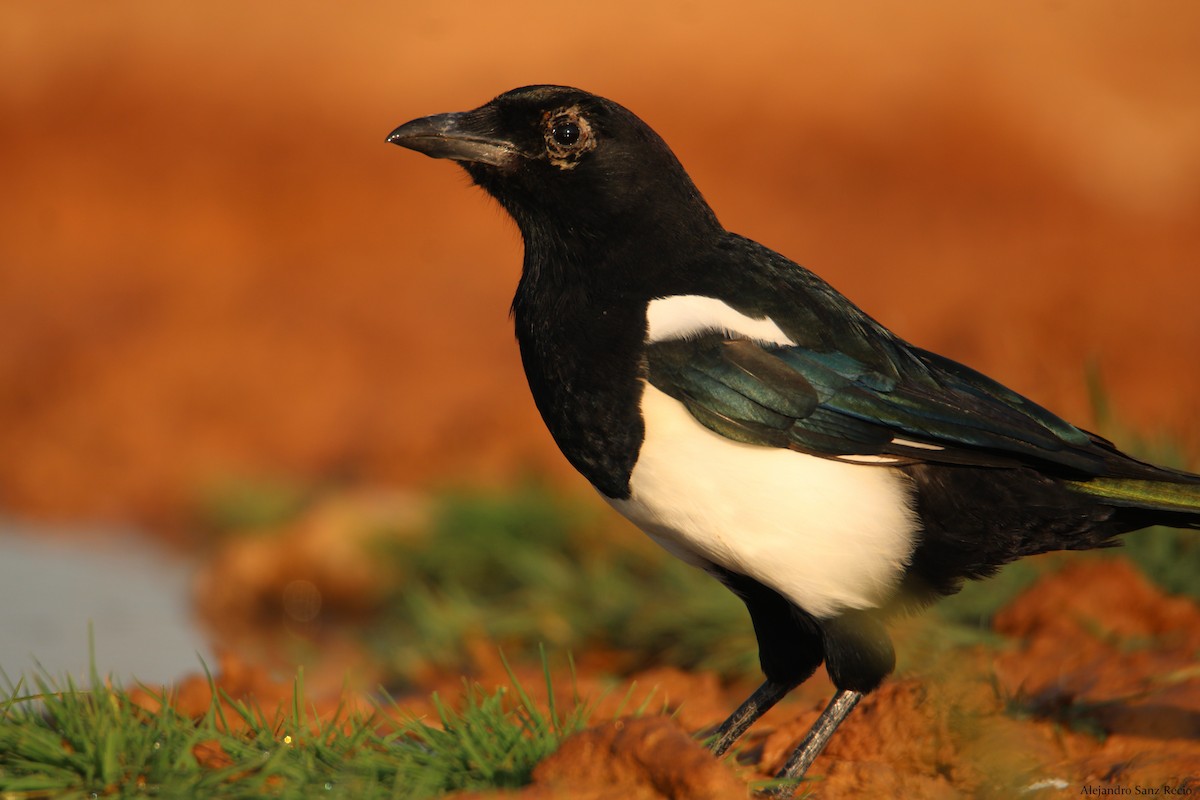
747	714
818	736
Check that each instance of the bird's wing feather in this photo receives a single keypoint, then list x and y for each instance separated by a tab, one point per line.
915	407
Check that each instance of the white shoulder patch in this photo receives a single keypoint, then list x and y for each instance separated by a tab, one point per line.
683	315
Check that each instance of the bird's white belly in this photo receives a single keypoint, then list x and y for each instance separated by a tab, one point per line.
827	535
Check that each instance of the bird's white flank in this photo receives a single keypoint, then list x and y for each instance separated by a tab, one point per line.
683	315
825	534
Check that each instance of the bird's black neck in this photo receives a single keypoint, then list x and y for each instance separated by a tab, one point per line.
580	315
582	352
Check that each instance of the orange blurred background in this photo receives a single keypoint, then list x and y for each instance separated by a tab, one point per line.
211	264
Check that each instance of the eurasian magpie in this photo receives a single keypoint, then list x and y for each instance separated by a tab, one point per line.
756	423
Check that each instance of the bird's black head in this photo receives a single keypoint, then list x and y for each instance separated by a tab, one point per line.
566	164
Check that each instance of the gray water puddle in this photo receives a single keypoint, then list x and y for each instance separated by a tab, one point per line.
58	583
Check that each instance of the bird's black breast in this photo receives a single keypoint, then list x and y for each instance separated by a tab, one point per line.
582	358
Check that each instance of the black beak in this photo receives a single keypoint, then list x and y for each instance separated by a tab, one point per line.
463	136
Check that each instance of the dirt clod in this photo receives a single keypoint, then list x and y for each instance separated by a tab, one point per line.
631	759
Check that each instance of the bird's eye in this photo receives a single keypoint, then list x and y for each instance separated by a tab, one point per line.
569	136
565	133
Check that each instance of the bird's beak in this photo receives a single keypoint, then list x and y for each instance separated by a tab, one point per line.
462	136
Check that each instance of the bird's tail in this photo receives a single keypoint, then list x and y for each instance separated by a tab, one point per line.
1165	502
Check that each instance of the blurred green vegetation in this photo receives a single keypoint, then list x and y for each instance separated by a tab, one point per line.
527	567
240	504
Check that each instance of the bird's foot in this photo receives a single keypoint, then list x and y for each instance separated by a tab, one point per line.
747	714
814	742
